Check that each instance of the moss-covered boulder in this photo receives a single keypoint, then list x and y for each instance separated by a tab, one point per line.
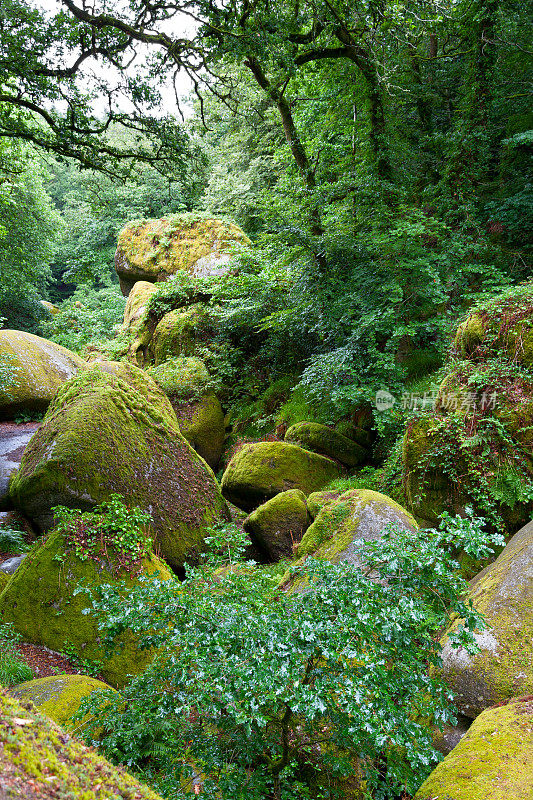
185	381
58	696
503	667
278	525
50	307
476	447
154	249
260	470
358	514
328	442
138	326
181	333
37	369
493	761
38	761
41	602
137	303
105	435
501	325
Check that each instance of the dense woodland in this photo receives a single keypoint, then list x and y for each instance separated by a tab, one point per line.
378	156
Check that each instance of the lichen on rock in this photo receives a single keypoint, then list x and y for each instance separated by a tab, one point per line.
503	666
38	760
58	696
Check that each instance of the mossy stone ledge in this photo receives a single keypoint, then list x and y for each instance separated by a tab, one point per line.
262	470
112	430
327	442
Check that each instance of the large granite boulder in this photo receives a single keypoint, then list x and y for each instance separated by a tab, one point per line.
493	760
112	430
358	514
186	381
154	249
327	442
39	761
58	696
37	368
258	471
503	667
278	525
42	602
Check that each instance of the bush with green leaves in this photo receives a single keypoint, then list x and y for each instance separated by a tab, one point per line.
88	315
12	667
12	540
262	692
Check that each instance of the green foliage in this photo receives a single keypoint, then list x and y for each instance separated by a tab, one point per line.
29	231
12	667
12	540
112	526
87	316
88	666
254	691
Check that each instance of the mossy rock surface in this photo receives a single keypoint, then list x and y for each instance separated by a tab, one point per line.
327	442
181	333
278	525
104	434
185	381
493	761
359	514
136	304
50	307
38	368
41	602
262	470
39	762
317	500
154	249
58	696
503	667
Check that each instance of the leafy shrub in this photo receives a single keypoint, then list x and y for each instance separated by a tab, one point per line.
12	540
257	692
88	315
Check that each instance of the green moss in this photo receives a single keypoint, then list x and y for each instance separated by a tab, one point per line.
494	760
154	249
58	696
181	378
261	470
180	333
278	525
37	757
317	500
105	435
4	580
328	442
42	604
37	369
470	335
138	298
